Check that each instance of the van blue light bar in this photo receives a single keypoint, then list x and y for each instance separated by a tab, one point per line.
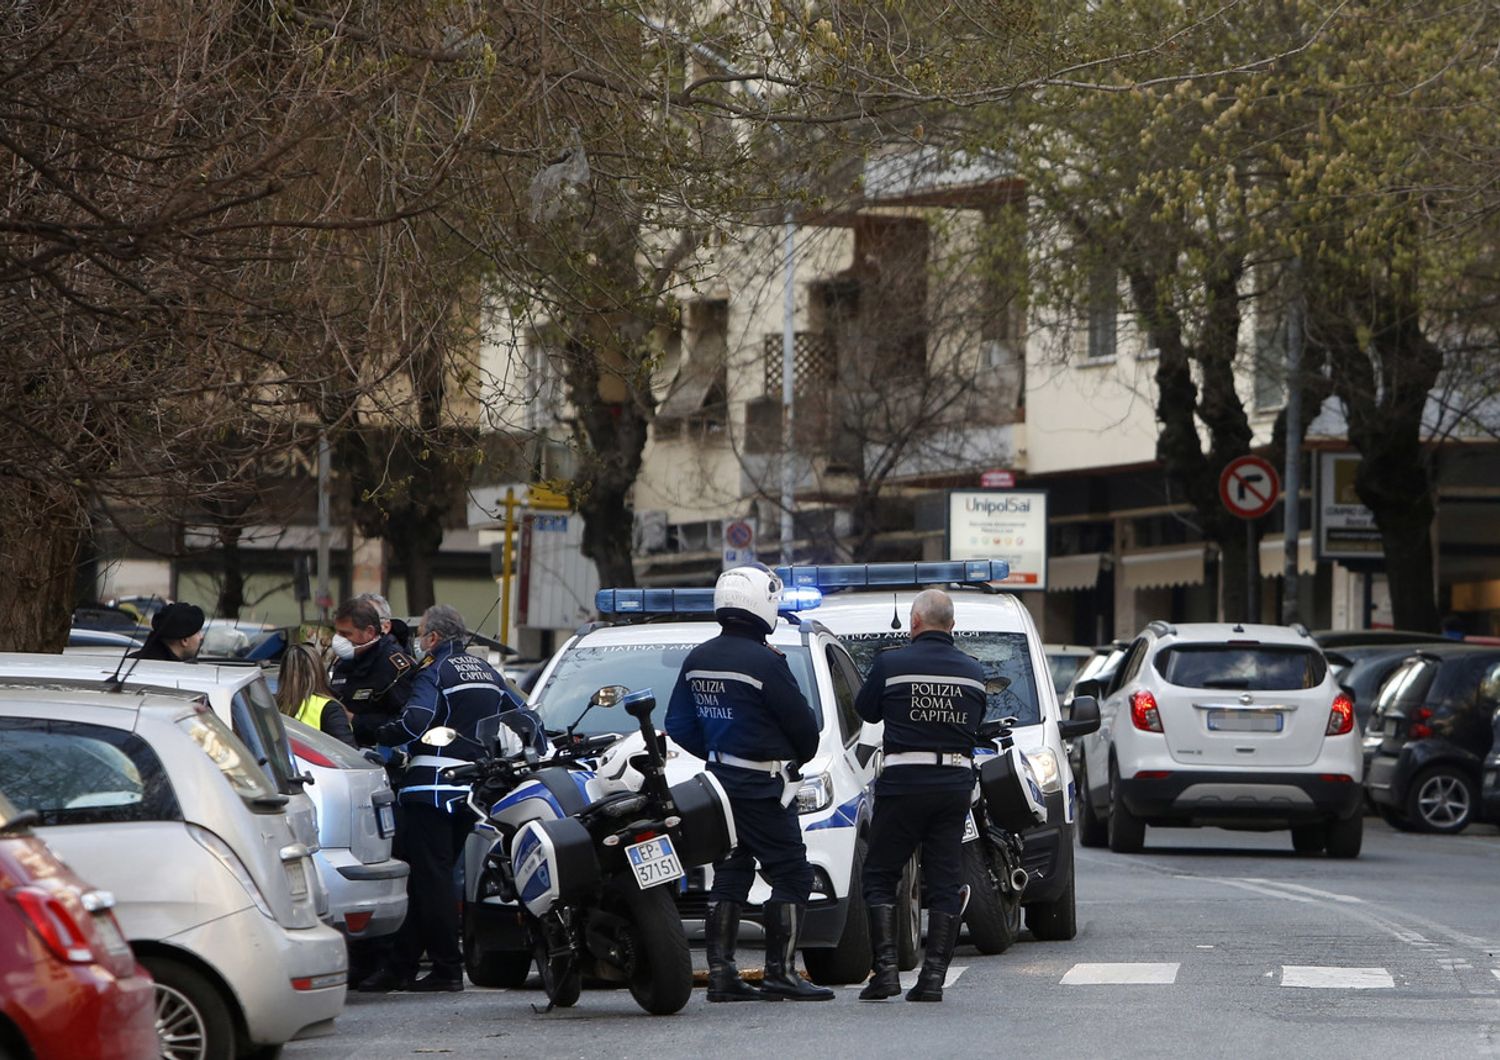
688	601
896	575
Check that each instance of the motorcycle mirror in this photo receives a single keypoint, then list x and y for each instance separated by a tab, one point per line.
608	696
441	736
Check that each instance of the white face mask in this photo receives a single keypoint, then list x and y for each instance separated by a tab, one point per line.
343	647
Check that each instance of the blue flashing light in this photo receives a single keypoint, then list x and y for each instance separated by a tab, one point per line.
654	601
800	598
894	575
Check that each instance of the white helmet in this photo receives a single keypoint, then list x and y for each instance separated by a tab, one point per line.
616	771
752	592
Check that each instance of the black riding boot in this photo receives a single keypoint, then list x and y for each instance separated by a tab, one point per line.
886	982
783	921
722	933
942	936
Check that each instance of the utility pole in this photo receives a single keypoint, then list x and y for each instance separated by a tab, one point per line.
788	388
325	525
1291	477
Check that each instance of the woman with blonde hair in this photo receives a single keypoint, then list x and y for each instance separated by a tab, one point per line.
304	693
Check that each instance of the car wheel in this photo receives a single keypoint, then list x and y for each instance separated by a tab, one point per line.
1441	799
192	1020
1309	838
1055	921
1127	832
1093	830
849	961
1346	837
909	916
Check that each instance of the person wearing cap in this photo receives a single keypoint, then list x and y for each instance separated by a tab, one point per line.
737	705
176	635
931	697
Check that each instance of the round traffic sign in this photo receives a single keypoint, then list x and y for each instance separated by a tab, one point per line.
739	534
1249	487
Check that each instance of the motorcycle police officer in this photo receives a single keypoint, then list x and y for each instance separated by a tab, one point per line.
455	690
372	675
737	706
931	698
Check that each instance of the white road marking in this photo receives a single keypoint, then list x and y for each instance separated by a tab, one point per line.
1332	896
1121	974
909	979
1247	885
1495	972
1328	978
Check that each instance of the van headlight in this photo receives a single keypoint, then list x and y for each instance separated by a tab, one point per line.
816	793
1044	765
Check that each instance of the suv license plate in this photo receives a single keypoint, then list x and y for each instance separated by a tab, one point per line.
971	830
654	862
1245	720
385	820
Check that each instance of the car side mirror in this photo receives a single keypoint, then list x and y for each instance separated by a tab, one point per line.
1085	718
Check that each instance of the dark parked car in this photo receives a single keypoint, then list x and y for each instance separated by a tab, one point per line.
1490	793
1432	726
1362	670
1352	638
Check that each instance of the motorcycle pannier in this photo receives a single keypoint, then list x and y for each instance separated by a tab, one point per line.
554	862
706	833
1012	797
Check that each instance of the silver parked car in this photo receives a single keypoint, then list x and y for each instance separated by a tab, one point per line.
356	820
153	798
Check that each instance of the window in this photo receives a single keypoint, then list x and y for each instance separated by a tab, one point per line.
1010	684
839	670
1104	312
1130	667
257	722
233	758
72	773
1250	668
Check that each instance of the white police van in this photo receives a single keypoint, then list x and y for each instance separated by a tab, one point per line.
643	645
869	608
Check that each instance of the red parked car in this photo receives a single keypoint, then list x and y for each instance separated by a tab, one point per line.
71	986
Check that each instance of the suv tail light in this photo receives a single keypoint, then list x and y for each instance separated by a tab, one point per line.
1341	717
58	925
1143	712
1419	729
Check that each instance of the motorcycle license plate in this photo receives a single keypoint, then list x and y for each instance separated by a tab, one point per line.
654	862
971	830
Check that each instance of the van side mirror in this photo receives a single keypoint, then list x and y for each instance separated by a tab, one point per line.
1085	718
1089	686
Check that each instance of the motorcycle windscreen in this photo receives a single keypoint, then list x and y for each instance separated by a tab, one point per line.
554	863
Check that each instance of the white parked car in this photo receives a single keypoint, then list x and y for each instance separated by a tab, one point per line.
997	631
356	821
153	798
834	801
1239	726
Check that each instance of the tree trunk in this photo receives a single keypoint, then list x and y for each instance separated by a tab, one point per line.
40	538
232	582
607	536
415	541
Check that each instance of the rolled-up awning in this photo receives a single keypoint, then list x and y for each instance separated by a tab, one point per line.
1273	556
1068	574
1172	566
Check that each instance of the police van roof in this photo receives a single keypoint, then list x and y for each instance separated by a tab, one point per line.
675	633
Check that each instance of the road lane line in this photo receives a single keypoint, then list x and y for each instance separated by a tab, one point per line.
1122	974
909	979
1328	978
1332	896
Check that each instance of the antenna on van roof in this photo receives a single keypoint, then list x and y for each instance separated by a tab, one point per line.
115	682
895	611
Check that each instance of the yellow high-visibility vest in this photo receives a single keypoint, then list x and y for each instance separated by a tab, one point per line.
311	711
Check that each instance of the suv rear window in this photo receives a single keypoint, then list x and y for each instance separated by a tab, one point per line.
74	773
584	669
1010	684
1247	667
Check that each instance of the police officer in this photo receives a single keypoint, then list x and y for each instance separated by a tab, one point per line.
931	698
456	690
371	676
737	705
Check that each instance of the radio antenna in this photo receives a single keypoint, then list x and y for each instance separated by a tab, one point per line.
115	682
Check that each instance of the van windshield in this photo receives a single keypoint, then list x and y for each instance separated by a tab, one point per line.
1010	683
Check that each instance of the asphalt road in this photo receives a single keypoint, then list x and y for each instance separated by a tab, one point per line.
1209	944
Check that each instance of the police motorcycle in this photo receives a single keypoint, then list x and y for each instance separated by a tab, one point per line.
1007	801
575	870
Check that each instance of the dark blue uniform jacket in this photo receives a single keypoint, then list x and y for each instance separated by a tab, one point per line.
736	694
931	697
457	690
373	686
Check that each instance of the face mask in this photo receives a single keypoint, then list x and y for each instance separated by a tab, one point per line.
343	647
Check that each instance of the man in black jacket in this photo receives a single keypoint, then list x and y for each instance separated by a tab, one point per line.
737	705
931	698
372	677
176	635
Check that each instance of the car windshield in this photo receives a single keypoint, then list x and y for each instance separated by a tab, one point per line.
584	669
1009	680
1243	667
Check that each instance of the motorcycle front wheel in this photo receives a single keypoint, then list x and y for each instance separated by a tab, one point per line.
660	967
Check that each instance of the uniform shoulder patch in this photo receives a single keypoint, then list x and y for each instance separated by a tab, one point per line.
773	649
400	661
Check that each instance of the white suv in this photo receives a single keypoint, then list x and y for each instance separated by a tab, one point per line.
1237	726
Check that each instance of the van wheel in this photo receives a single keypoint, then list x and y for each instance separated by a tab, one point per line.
1346	837
1055	921
1309	838
1127	832
849	961
909	916
192	1020
1441	799
1093	830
